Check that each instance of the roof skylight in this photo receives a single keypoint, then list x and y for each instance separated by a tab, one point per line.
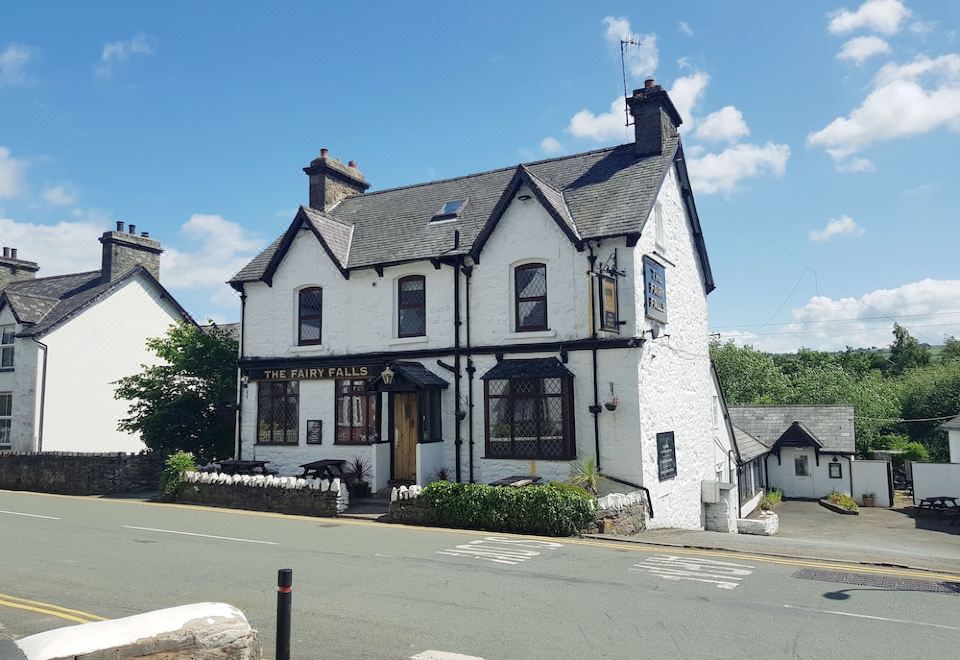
449	210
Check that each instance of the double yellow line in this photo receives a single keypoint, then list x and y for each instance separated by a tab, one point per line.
76	616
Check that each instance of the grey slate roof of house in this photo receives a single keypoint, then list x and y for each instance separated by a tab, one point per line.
42	303
953	424
748	447
607	192
832	425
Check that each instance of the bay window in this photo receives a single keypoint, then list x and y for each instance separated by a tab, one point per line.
529	417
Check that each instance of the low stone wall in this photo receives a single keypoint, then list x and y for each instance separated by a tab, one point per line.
302	501
411	512
626	521
69	473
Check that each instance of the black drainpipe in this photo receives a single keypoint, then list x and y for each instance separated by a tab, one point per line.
595	408
468	272
633	485
43	393
243	316
456	361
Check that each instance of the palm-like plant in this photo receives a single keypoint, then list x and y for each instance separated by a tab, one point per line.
586	475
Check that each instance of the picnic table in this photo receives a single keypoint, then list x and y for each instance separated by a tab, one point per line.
941	505
233	466
328	468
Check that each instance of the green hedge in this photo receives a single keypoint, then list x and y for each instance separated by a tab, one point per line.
551	509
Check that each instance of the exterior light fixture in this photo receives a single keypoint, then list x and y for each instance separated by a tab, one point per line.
387	376
523	198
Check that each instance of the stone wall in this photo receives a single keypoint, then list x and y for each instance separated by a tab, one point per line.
80	474
302	501
411	512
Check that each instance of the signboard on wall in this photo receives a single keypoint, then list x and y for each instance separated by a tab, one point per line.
666	456
353	372
609	314
654	290
314	431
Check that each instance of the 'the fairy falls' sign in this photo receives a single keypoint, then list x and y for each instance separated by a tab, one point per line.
654	290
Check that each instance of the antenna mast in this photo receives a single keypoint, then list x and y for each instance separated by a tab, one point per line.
623	70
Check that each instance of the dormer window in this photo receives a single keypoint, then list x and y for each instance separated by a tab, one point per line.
450	210
310	319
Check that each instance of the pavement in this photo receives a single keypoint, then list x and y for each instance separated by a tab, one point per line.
367	590
877	536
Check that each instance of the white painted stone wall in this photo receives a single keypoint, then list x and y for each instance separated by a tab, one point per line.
954	439
430	458
871	477
86	355
748	507
783	475
935	480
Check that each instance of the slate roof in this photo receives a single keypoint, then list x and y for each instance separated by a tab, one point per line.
748	447
419	374
601	193
831	425
951	424
43	303
529	368
232	329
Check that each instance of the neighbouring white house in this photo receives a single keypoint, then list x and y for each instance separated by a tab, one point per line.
952	428
66	339
495	324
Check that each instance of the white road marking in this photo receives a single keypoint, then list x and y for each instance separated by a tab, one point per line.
29	515
874	618
725	575
500	550
206	536
443	655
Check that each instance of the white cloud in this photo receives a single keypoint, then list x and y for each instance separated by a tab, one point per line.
551	145
13	63
605	127
832	323
724	125
641	60
923	27
856	165
11	174
882	16
119	52
61	194
842	226
66	247
860	49
721	172
906	99
684	27
686	93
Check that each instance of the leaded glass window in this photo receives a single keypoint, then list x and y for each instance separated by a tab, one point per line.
530	283
310	311
278	412
530	418
411	306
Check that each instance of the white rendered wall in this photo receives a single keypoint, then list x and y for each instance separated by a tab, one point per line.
430	458
783	475
750	505
23	383
871	477
935	480
87	355
954	436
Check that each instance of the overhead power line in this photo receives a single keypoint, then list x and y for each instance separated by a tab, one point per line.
846	320
901	419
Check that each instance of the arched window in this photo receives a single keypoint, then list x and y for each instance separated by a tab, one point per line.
530	297
412	306
310	316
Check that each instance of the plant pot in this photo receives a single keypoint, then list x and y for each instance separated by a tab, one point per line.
868	500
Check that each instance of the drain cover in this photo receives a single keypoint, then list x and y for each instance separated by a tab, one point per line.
878	581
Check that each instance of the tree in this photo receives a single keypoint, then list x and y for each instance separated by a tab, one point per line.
906	352
748	376
187	401
951	350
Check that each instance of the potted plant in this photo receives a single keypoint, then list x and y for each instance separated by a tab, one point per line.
869	499
357	473
586	475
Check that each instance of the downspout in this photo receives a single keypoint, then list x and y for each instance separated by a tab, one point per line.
239	434
468	272
595	408
43	393
456	363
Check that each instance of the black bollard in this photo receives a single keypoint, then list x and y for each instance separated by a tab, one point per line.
284	599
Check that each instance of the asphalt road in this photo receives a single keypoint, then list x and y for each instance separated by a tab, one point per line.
367	590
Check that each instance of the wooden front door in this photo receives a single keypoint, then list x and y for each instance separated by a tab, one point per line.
406	429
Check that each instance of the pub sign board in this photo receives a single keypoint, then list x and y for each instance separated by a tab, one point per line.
609	313
349	372
654	290
666	456
314	431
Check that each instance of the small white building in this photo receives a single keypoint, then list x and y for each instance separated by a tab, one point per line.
494	324
952	428
66	339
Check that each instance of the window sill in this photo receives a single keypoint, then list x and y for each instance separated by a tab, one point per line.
277	444
2	369
356	444
401	341
531	334
309	348
528	458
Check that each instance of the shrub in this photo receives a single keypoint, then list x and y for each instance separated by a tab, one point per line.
771	499
843	500
586	475
550	509
173	468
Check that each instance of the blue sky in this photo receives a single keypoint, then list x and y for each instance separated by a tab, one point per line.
821	135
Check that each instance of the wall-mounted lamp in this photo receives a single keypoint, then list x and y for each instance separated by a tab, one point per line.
612	401
523	198
387	376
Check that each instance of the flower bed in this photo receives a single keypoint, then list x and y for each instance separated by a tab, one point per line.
840	503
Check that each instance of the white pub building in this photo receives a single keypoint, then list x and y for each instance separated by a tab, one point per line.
496	324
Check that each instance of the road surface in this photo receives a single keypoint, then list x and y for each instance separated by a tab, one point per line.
368	590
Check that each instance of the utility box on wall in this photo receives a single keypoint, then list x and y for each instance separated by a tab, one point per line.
710	492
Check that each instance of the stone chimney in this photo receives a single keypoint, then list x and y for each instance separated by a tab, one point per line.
655	119
331	181
14	269
123	249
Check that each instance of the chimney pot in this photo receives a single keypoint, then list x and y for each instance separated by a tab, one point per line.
649	82
132	229
352	164
324	152
6	252
119	225
13	253
145	234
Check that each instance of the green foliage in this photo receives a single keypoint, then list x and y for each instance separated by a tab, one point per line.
187	401
912	450
951	350
586	475
173	468
906	352
749	376
771	499
551	509
358	470
843	500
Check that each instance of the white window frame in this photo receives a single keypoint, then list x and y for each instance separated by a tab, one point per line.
7	348
6	422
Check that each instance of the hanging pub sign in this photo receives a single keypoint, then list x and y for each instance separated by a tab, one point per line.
654	290
357	371
609	315
666	456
